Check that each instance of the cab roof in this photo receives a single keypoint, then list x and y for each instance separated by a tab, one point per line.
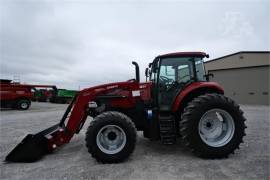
184	54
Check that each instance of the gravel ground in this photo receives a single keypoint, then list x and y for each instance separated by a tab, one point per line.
151	160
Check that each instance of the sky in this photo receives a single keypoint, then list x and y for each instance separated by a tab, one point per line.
79	44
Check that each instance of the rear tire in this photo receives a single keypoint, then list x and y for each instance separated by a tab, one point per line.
23	104
111	137
212	126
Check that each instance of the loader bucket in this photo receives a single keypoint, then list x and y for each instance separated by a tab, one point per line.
32	147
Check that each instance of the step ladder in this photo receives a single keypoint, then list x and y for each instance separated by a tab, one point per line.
167	129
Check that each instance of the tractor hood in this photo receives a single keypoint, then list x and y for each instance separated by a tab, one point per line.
127	88
110	86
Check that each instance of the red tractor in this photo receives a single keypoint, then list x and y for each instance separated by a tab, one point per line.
16	95
178	101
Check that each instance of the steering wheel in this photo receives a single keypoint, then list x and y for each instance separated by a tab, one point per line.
166	83
170	84
165	80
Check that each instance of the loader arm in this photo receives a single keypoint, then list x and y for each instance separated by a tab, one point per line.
71	122
79	106
75	115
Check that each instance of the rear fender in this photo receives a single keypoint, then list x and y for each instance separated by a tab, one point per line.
194	90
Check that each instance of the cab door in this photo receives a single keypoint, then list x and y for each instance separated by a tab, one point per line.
174	74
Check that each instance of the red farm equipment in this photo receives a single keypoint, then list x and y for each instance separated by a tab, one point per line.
18	96
177	101
43	94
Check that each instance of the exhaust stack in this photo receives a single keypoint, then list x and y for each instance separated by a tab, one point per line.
137	69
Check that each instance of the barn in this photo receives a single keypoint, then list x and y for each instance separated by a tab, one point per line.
244	76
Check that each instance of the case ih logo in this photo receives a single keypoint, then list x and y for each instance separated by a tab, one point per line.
100	89
112	87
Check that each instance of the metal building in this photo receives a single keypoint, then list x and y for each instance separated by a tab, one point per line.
244	76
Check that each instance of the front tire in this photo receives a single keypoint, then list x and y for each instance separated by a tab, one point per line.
212	126
111	137
23	104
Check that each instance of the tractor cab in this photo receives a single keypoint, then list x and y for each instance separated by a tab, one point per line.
171	73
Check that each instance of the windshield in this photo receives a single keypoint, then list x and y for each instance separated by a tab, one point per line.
181	70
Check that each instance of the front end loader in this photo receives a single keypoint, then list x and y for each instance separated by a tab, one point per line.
177	101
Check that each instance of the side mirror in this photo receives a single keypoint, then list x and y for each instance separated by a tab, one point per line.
146	73
154	65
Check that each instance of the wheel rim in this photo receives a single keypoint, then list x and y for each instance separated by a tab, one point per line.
216	127
24	105
111	139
